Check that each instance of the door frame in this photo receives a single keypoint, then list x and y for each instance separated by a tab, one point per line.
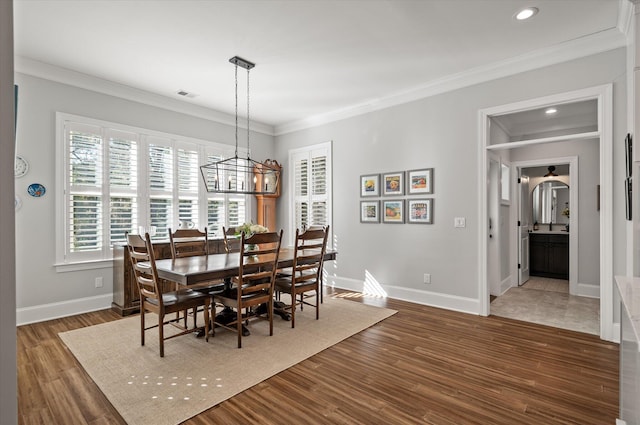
572	161
604	96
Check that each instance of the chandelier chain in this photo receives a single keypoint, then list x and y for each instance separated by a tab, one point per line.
236	69
248	132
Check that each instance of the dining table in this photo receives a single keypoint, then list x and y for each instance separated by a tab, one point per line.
203	268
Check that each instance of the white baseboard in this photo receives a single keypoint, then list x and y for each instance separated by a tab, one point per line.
40	313
433	299
588	290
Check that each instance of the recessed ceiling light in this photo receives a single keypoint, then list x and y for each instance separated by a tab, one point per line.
526	13
550	111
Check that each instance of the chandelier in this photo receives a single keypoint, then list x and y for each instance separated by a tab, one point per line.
241	175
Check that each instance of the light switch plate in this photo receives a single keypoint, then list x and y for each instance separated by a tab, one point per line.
459	222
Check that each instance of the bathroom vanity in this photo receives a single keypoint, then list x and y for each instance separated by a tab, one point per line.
549	254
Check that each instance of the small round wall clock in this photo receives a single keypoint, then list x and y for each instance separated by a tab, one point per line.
21	166
36	190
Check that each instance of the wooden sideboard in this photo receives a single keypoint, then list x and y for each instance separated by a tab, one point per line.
126	299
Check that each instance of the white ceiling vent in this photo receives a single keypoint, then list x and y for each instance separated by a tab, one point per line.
185	93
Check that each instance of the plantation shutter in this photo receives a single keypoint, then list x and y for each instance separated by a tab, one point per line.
311	181
188	174
160	160
84	200
123	185
319	214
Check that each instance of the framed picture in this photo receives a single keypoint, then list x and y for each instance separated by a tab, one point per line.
393	211
628	151
420	181
393	183
370	185
369	211
420	211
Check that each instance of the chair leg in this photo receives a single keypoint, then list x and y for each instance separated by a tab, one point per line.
142	325
318	301
239	325
206	320
161	334
270	313
293	309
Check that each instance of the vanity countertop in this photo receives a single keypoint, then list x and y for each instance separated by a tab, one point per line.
550	232
629	288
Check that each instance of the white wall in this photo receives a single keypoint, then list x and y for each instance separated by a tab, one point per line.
41	291
440	132
8	367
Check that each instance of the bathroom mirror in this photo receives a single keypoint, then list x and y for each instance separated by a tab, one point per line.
550	202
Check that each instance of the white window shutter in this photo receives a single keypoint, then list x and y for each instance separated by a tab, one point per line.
311	180
84	229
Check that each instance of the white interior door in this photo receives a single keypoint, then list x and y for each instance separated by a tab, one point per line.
493	213
524	207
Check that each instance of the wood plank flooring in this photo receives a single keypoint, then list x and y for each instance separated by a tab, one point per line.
422	365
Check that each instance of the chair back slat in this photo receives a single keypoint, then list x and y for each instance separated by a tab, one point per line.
258	265
143	264
231	241
188	243
309	253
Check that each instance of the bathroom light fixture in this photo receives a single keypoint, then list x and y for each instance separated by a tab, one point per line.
242	175
551	173
526	13
550	111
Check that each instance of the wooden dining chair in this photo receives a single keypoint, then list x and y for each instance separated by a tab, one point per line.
191	243
154	299
254	284
305	277
231	244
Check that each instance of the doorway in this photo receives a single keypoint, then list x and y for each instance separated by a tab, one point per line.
602	134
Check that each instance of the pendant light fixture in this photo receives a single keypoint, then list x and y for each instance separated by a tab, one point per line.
241	175
551	173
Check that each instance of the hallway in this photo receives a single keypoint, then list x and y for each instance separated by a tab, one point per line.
547	302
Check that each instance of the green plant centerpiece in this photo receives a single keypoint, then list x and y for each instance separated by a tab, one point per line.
249	229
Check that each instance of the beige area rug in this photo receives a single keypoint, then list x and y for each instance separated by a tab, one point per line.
195	375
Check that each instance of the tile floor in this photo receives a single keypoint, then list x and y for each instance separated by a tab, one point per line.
547	302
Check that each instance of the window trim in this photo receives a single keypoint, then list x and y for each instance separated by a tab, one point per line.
203	147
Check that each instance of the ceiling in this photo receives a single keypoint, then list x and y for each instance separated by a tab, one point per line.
315	60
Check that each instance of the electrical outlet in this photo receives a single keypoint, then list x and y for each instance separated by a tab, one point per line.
99	282
427	278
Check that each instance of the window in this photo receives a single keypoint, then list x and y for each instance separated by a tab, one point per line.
311	183
116	178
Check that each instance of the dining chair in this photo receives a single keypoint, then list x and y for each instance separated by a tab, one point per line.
253	285
154	299
191	243
305	278
231	244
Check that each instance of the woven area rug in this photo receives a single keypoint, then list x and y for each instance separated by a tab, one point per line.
195	375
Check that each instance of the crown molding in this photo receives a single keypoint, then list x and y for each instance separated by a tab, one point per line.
585	46
50	72
625	15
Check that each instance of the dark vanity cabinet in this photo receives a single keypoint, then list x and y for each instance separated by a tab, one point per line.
549	255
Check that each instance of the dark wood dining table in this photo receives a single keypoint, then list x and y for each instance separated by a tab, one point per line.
191	270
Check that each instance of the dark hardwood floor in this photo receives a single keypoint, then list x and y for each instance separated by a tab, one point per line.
422	365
